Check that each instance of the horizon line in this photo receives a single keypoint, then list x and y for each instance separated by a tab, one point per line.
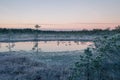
51	23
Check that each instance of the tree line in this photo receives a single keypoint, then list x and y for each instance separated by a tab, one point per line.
84	31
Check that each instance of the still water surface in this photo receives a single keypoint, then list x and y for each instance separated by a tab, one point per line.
45	46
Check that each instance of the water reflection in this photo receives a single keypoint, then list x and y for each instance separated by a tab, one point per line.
58	43
77	42
36	47
10	46
0	45
45	46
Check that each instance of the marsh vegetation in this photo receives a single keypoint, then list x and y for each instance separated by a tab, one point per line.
98	62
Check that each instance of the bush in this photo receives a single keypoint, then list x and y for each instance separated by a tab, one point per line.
101	62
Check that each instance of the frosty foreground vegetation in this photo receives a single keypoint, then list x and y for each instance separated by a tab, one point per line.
101	62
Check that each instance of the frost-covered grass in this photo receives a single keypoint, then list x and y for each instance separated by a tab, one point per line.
46	37
18	67
36	66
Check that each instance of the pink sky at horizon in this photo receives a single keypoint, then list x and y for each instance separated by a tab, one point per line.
70	26
60	14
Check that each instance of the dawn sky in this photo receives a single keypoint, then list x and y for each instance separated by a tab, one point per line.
64	12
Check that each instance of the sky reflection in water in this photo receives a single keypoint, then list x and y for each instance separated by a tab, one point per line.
45	46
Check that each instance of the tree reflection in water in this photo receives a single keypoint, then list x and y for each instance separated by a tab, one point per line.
0	45
58	43
10	46
69	43
77	42
36	47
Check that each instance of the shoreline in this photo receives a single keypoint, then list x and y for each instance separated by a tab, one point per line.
32	40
